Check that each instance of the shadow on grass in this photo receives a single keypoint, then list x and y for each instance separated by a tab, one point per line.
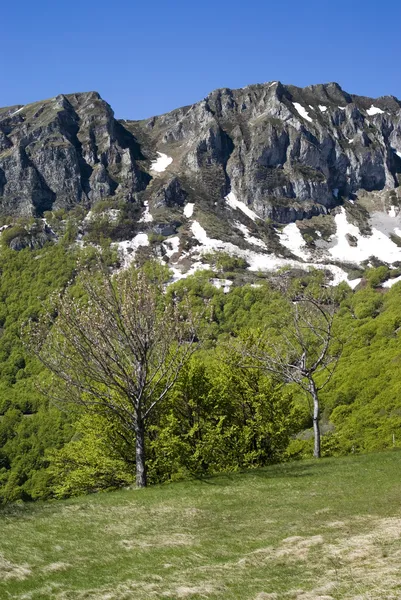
294	469
344	467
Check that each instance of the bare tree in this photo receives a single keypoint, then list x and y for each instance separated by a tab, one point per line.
305	352
118	349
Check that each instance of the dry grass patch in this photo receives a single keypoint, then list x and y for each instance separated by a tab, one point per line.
184	591
10	570
56	566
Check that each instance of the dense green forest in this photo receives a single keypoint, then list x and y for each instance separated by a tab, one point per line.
219	416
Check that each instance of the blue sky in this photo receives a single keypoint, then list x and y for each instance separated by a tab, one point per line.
148	57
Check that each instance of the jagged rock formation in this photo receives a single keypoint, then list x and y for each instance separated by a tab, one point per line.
65	151
287	152
222	174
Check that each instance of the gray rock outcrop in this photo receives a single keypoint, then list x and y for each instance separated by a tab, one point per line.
288	153
65	151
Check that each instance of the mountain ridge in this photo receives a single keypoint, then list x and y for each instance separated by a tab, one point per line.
283	153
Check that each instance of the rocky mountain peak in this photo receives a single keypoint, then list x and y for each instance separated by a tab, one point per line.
241	163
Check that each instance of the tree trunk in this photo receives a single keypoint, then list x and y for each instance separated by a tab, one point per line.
140	458
316	427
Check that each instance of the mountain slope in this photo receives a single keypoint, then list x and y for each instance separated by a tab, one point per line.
224	174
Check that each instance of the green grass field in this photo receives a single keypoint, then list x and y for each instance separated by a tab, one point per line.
309	530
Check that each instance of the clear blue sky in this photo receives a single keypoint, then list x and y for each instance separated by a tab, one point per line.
146	57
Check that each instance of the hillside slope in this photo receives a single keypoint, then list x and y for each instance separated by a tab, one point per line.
302	531
225	174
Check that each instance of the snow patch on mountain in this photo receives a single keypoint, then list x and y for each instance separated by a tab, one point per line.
377	244
171	246
390	282
291	238
189	210
126	249
17	111
146	217
161	163
248	237
201	236
374	110
354	282
322	108
232	202
257	261
302	111
222	283
178	274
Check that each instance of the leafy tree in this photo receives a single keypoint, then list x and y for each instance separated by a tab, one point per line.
89	462
220	417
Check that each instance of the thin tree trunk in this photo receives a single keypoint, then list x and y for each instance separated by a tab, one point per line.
140	457
316	414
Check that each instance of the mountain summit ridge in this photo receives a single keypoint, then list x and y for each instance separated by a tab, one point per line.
283	130
196	174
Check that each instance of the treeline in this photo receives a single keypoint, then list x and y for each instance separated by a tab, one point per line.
221	414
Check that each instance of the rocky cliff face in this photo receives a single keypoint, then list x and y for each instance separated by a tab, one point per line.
65	151
286	152
222	174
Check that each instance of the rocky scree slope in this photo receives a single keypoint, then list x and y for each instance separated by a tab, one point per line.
225	174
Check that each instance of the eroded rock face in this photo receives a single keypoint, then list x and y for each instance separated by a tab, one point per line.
65	151
171	194
288	153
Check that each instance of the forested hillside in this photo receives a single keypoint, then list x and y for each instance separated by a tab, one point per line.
222	414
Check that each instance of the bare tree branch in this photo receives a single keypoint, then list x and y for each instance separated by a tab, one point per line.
302	352
118	348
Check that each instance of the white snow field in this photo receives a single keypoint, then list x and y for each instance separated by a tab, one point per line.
291	238
302	111
146	217
189	210
17	111
171	246
374	110
127	248
390	282
250	238
178	274
377	244
322	108
222	283
232	202
338	248
161	163
257	261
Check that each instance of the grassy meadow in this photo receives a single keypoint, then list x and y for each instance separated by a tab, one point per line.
307	530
